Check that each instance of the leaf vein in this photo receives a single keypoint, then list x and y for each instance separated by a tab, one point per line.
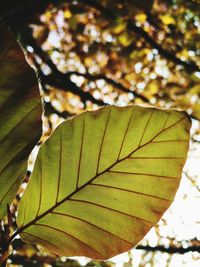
80	156
60	163
45	241
122	144
144	131
148	174
82	220
40	194
102	141
166	141
130	191
67	234
155	158
111	209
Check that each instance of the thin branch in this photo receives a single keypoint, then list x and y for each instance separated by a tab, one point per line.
49	109
60	81
56	78
170	249
193	182
17	259
189	66
110	81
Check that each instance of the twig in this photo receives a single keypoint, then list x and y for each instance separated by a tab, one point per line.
192	181
56	78
189	66
110	81
170	249
49	109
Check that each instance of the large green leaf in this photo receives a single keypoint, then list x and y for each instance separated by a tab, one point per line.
103	179
20	119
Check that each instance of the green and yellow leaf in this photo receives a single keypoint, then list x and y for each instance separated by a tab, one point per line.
103	179
20	119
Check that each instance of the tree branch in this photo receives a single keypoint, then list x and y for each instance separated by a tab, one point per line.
35	259
193	182
49	109
170	250
56	78
110	81
60	81
189	66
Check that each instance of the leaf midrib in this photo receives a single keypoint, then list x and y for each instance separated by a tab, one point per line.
21	229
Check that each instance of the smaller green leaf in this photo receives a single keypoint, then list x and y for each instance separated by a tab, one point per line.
103	179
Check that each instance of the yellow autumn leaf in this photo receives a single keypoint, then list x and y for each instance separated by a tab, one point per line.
167	19
67	14
141	17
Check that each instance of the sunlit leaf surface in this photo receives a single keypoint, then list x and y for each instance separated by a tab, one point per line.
20	119
103	179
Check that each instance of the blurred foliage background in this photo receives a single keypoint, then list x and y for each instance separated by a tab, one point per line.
89	54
